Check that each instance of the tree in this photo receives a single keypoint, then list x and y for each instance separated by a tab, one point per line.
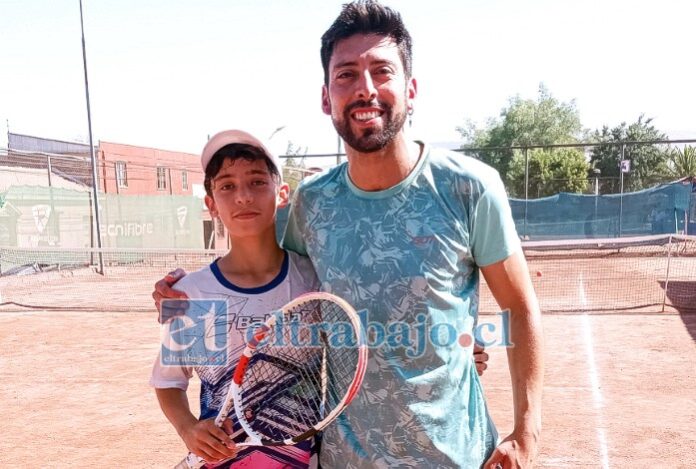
293	171
550	171
649	163
682	162
544	121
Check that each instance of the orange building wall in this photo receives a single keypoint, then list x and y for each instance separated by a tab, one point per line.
141	169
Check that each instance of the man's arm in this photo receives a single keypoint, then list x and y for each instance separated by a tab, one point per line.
512	288
164	291
202	437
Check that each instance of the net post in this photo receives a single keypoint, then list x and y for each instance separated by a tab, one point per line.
621	174
686	222
669	257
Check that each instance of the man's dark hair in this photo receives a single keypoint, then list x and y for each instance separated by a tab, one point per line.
366	17
233	152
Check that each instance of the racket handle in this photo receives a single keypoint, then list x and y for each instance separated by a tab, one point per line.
190	462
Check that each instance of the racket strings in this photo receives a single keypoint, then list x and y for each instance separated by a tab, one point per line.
294	383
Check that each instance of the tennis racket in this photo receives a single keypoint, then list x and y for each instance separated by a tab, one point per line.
297	373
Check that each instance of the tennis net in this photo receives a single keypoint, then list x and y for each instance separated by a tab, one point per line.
644	274
69	279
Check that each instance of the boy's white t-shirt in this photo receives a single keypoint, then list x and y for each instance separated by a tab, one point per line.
245	306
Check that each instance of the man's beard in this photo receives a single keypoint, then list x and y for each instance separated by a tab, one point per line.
371	140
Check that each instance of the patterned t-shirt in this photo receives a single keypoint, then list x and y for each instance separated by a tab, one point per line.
246	306
409	257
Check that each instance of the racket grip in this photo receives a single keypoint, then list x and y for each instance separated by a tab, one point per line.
190	462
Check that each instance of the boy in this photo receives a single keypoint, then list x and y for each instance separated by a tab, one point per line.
244	188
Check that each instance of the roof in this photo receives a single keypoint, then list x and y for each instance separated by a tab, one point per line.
21	176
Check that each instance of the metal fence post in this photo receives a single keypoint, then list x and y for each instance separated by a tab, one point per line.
49	168
526	190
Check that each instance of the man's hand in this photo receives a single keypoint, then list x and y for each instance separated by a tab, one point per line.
517	451
164	290
208	441
480	358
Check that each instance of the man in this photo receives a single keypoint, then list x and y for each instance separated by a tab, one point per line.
402	231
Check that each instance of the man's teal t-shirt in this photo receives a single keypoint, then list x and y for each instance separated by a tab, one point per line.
408	258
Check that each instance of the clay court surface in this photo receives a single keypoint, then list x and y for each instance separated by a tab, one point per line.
620	388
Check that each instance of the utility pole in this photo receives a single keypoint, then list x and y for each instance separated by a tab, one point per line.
95	189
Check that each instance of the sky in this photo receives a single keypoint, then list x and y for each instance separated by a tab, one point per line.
169	73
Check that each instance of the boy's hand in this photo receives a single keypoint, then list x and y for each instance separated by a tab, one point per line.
164	291
480	358
209	441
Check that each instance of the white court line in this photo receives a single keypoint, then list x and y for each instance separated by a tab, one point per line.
597	397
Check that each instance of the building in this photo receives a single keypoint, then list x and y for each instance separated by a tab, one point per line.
151	197
143	171
133	170
68	160
121	169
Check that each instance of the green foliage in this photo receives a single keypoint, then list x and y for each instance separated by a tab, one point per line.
649	163
293	170
544	121
548	121
682	162
550	171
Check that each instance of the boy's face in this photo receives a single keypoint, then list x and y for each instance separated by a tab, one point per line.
245	196
368	93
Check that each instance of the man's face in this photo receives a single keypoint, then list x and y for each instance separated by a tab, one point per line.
368	95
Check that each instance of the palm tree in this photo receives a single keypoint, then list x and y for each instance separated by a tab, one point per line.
683	161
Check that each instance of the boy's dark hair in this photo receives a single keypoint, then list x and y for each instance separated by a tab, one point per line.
367	17
233	152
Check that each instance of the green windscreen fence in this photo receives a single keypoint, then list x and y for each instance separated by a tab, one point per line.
32	216
665	209
668	208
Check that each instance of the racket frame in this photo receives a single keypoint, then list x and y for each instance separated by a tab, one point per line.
234	394
255	438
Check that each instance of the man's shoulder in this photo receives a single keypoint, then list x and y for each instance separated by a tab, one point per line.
319	181
459	165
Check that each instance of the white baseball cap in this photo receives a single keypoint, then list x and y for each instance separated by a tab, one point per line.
228	137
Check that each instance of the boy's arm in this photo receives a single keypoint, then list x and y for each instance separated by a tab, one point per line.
480	358
202	437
